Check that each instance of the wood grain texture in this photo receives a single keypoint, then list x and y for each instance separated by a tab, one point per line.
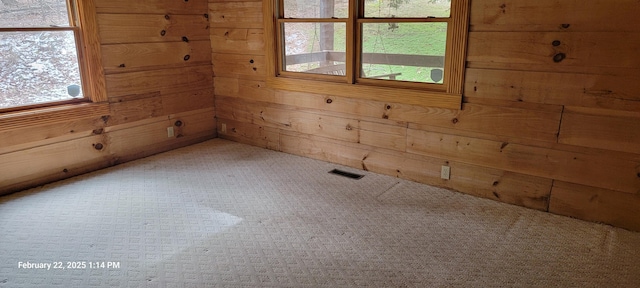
247	133
581	49
163	81
239	66
595	204
237	41
119	58
604	129
236	14
151	7
593	168
550	15
618	91
139	28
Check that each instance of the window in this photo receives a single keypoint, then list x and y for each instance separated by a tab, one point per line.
414	44
40	53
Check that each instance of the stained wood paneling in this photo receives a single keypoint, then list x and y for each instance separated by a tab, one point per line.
118	58
581	49
605	129
595	168
132	142
521	123
384	136
618	92
152	7
550	15
163	81
239	66
508	187
595	204
59	160
236	14
252	134
138	28
237	41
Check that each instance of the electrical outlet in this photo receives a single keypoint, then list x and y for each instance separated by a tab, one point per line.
170	132
224	128
445	173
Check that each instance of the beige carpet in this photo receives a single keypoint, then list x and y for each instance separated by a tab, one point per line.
222	214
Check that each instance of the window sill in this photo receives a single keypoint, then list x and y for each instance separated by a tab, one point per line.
52	114
369	92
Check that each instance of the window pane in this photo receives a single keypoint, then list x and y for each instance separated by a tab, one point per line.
316	8
317	48
404	51
38	67
33	13
407	8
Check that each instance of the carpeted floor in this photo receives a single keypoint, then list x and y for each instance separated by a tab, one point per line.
222	214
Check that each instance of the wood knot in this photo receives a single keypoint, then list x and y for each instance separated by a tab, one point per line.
251	61
329	101
556	43
187	57
388	107
496	194
163	32
167	17
178	123
98	146
98	131
122	65
349	128
565	26
185	39
455	121
206	15
559	57
65	170
385	116
495	183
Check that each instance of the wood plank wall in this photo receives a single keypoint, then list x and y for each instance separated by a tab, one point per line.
151	85
561	136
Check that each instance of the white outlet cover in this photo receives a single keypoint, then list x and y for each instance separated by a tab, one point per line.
170	132
224	128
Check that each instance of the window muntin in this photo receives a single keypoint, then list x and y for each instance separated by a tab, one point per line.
38	53
315	9
422	22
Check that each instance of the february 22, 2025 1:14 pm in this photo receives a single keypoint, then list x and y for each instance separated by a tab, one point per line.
69	265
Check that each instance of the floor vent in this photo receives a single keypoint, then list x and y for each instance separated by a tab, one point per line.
346	174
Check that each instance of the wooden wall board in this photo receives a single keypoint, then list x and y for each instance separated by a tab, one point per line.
163	81
237	41
276	116
236	14
384	136
58	159
598	128
247	133
246	67
152	7
595	204
508	187
581	49
132	142
594	169
119	58
619	92
521	123
147	28
550	15
45	134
